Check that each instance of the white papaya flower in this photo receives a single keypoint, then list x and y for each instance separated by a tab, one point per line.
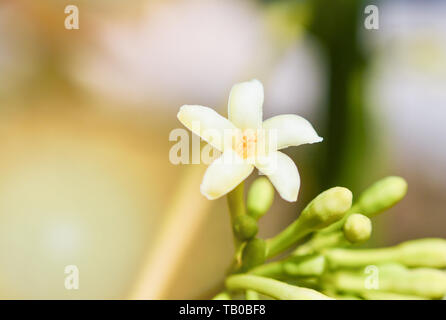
246	142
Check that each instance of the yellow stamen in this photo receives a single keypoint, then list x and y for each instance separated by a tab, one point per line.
245	144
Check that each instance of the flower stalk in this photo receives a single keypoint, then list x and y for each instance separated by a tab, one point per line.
272	288
260	197
304	266
326	208
421	282
429	253
321	241
252	295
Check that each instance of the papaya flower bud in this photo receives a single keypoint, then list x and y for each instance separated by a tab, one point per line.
382	195
260	197
321	241
422	282
382	295
357	228
430	252
272	288
327	207
222	296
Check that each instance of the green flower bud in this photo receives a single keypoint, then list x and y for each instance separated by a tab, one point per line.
382	195
428	252
357	228
326	208
423	282
269	270
260	197
416	253
245	227
272	288
254	254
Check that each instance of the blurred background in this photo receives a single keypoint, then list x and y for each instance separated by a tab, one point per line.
85	117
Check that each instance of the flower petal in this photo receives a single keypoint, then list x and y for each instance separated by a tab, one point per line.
224	174
282	172
290	130
206	123
245	104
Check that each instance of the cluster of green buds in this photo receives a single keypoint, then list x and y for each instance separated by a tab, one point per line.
316	256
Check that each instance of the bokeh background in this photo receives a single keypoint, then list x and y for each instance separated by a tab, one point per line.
85	117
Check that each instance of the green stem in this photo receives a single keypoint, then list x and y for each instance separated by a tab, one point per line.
339	224
237	208
270	270
273	288
321	241
378	295
293	233
222	296
302	266
236	202
390	278
430	253
252	295
353	258
327	208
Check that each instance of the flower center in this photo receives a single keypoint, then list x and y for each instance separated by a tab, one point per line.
246	143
